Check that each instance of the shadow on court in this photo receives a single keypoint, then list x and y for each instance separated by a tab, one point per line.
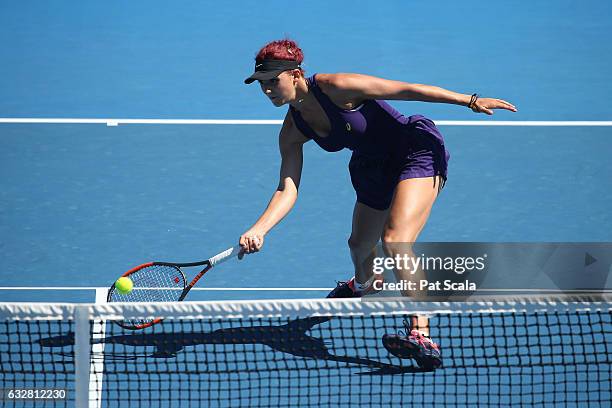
290	338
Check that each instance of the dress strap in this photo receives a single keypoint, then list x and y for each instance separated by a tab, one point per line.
299	122
323	99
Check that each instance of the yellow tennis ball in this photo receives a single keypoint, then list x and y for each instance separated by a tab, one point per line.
124	285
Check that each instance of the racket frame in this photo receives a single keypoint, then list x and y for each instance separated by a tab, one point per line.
208	265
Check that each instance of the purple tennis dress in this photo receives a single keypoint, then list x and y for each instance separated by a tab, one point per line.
387	146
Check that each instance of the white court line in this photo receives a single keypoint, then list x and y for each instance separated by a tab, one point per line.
552	291
201	288
116	122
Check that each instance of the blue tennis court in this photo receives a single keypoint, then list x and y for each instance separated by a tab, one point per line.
87	201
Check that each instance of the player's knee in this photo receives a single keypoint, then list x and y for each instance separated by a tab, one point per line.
393	235
357	245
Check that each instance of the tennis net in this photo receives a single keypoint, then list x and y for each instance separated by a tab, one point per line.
525	351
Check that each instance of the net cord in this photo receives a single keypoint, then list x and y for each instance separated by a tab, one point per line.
297	308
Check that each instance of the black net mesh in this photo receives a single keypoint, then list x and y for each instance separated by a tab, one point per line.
558	355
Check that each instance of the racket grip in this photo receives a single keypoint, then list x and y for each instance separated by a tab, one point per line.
225	255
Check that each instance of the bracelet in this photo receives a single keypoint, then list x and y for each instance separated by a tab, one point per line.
472	104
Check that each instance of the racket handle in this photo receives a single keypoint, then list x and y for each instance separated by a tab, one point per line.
225	255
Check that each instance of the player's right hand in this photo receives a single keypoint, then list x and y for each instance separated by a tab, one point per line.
251	241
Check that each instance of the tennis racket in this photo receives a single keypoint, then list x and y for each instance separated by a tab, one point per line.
162	282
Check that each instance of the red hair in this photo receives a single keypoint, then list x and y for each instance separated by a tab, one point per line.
281	50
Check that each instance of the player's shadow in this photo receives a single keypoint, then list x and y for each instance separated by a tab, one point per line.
290	338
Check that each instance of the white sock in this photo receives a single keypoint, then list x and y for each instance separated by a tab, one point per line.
363	286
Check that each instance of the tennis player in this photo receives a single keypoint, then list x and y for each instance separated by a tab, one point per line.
398	165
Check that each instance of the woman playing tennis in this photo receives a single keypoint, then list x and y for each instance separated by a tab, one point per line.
398	165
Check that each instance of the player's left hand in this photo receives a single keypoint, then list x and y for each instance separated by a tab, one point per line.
486	105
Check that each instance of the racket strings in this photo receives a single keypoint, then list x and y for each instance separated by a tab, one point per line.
155	283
